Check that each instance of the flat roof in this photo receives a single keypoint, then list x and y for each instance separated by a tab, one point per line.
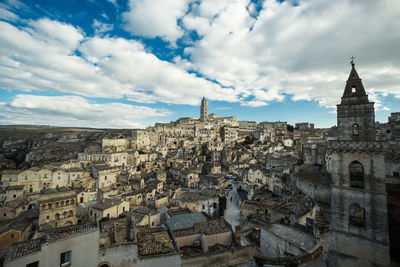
187	220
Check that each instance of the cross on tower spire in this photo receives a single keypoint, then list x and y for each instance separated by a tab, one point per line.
352	60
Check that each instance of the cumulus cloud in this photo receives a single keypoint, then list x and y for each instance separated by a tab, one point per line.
244	53
43	57
7	15
74	111
299	50
156	18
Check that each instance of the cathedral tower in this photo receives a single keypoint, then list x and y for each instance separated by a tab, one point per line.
359	224
203	109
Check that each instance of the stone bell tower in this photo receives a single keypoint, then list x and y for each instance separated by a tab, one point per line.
359	223
203	109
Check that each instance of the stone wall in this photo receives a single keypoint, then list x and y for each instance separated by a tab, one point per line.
317	192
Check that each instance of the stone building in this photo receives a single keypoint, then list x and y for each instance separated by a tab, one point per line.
229	134
109	208
359	223
18	229
68	246
57	208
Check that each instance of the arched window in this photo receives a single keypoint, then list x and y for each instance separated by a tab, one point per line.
57	216
356	172
356	129
356	215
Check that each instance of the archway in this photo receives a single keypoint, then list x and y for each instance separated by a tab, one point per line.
68	223
356	173
104	264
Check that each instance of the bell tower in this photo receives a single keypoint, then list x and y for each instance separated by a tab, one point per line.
355	114
203	109
359	223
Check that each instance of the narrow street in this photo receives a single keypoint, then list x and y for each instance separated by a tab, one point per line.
232	212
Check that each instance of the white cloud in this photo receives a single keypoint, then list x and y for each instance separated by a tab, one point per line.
300	50
254	103
74	111
42	57
156	18
114	2
56	33
100	27
297	51
7	15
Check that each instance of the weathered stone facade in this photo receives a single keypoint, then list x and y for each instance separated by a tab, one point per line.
359	226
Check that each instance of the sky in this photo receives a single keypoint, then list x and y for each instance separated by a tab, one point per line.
132	63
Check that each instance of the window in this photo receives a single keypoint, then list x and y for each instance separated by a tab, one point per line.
59	177
356	215
152	223
356	172
12	236
356	129
9	179
105	177
26	177
108	215
33	264
5	214
79	176
48	217
203	207
45	176
14	196
396	174
353	89
65	259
